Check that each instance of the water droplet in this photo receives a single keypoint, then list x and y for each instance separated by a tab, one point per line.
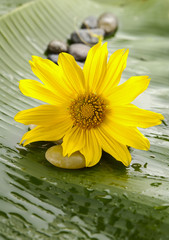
107	197
162	207
43	178
107	191
90	189
125	195
155	184
136	166
145	165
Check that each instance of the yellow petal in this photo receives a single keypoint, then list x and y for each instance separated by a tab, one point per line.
95	66
114	148
116	65
35	89
128	91
49	133
73	141
74	77
126	135
131	115
92	150
50	74
43	115
87	65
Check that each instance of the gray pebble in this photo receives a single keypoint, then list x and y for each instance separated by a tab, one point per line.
86	35
108	22
79	51
81	64
31	126
89	22
53	57
56	46
59	142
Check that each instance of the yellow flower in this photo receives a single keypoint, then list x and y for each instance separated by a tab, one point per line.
87	108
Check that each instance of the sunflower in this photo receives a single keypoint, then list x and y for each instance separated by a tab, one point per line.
87	108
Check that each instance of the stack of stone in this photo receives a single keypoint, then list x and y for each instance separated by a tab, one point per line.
81	40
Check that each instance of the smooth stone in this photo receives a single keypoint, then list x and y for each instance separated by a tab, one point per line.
32	126
53	57
81	64
56	46
89	22
55	156
87	36
108	22
79	51
59	141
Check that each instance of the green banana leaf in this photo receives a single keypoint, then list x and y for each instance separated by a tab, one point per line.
108	201
8	5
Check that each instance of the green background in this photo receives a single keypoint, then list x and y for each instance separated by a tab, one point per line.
108	201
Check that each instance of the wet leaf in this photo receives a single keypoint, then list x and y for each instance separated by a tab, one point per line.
108	201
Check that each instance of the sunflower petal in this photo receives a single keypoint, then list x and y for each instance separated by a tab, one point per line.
35	89
131	115
87	64
95	66
126	135
43	115
50	74
116	65
114	148
74	77
128	91
49	133
73	141
92	150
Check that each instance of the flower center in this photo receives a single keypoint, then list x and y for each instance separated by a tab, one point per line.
88	111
